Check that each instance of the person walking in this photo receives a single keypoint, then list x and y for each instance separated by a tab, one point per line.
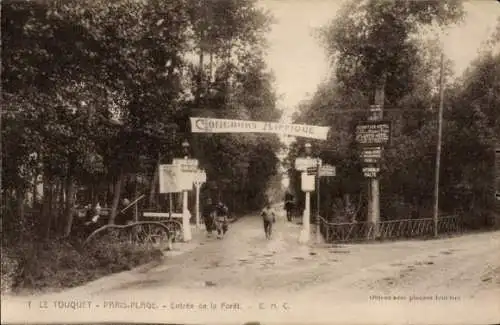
289	206
208	214
222	215
268	217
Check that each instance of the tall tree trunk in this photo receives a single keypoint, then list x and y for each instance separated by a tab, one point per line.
20	197
51	215
116	196
70	202
46	199
34	191
211	66
136	194
154	182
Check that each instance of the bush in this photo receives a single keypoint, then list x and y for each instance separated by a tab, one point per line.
60	264
9	268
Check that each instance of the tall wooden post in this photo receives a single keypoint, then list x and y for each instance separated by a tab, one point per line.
376	114
318	228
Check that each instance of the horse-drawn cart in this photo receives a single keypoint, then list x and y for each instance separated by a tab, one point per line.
153	229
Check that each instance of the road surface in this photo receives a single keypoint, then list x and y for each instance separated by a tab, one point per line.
245	277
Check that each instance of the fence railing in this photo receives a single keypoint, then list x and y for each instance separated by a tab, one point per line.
391	229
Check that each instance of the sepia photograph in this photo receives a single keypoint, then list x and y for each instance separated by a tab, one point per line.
250	162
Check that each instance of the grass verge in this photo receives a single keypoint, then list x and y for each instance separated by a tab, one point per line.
36	267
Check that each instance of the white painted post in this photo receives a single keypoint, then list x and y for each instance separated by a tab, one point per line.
305	233
197	185
186	215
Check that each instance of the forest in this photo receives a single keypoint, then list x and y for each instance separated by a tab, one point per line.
400	40
97	94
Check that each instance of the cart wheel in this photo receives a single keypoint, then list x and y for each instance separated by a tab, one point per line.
151	234
175	228
110	233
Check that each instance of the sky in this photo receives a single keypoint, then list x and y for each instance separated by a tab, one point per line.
299	62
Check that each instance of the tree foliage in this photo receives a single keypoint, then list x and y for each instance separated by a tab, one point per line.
370	39
97	93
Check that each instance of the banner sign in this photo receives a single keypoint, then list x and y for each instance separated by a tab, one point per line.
374	133
170	178
371	155
213	125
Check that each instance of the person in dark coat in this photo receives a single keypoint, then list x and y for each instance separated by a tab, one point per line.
222	215
289	206
124	217
207	213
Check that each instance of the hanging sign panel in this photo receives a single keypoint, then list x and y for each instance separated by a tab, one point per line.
373	133
213	125
307	182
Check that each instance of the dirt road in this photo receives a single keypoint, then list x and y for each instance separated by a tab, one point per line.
245	277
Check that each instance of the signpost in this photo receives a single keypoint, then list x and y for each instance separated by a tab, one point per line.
188	170
372	135
199	180
497	178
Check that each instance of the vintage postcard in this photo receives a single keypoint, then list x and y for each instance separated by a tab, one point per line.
250	162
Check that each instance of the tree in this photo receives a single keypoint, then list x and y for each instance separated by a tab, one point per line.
369	41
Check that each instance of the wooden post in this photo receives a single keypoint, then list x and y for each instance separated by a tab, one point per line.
318	230
376	114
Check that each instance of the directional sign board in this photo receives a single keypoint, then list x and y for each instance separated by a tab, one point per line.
371	155
302	164
186	164
170	179
373	133
327	171
200	177
312	170
370	172
189	168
